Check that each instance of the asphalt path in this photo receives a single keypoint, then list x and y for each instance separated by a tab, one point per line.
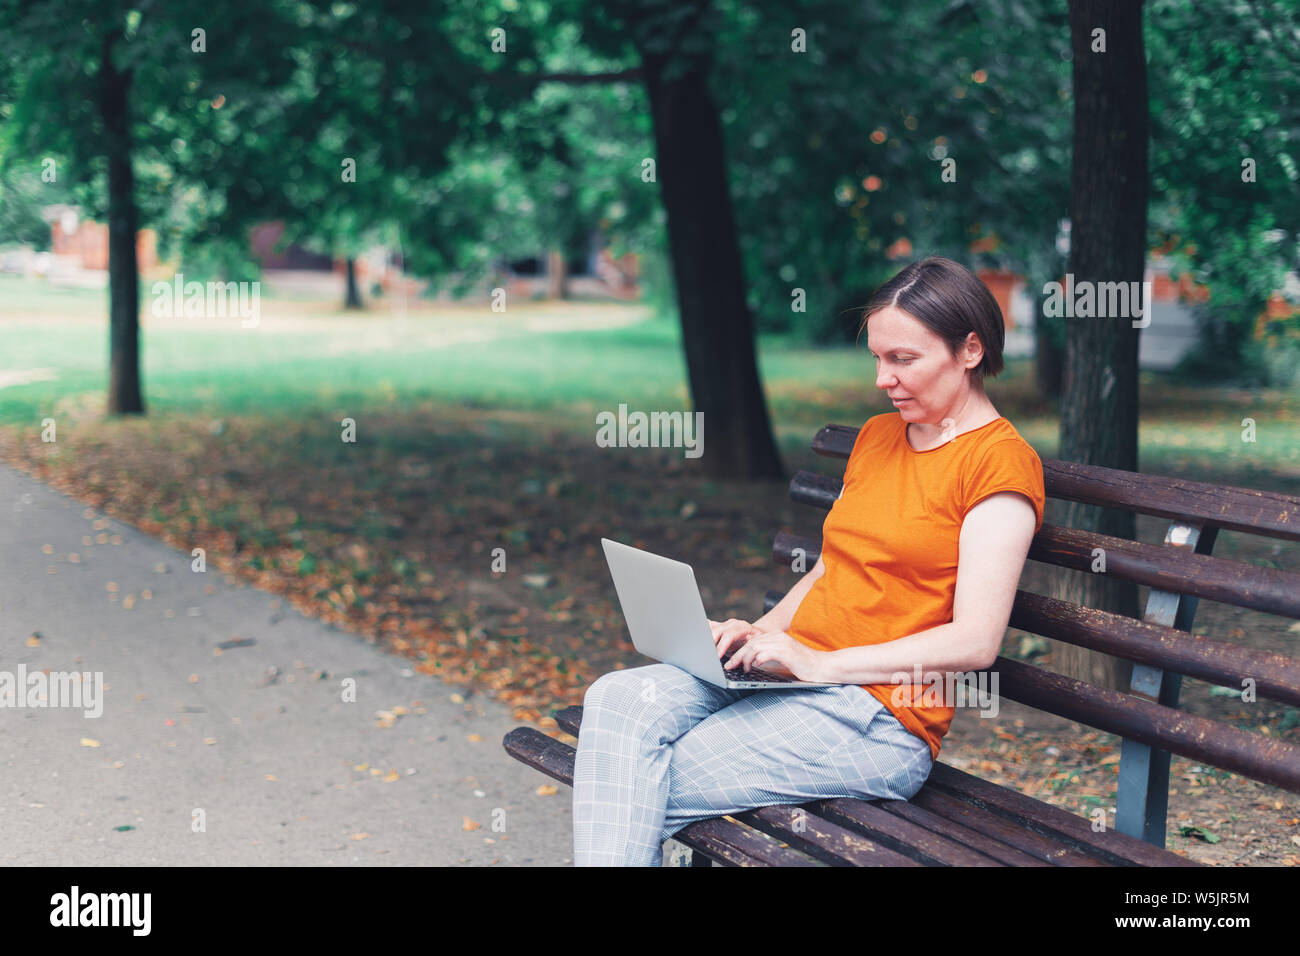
245	755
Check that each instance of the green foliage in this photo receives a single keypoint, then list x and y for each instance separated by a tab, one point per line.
465	157
1225	87
22	194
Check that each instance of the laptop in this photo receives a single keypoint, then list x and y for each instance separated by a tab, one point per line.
665	616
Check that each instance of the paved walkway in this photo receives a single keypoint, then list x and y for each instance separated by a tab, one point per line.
256	736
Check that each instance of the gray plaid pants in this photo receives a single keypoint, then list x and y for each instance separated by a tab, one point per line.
659	748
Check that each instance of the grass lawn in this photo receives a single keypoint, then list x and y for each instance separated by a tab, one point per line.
309	360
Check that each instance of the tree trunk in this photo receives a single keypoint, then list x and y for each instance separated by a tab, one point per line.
353	300
556	275
124	393
1108	203
717	327
1049	360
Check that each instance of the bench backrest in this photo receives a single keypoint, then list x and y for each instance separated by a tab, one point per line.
1179	572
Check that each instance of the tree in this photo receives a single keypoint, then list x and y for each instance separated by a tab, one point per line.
1108	244
675	47
128	81
1225	107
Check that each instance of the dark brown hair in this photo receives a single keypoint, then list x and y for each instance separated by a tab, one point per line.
950	301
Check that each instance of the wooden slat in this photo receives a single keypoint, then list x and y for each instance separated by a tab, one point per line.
1110	846
1267	513
1261	758
1168	568
569	719
552	757
815	489
734	845
823	839
783	549
1276	676
957	832
835	441
903	835
1045	847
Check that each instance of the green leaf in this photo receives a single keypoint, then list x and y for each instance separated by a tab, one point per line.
1200	832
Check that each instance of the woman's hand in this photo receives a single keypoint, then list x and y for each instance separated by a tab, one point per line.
733	632
778	653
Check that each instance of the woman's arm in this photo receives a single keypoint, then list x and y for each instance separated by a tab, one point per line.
994	544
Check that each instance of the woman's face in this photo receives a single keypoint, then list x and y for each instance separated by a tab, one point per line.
915	368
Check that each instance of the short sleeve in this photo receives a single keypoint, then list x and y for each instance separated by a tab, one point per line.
1009	465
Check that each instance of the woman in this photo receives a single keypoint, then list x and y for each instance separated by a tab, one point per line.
921	555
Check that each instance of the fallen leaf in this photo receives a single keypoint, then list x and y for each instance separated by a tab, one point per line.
468	824
89	742
547	790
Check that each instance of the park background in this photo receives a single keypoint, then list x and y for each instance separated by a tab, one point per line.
477	225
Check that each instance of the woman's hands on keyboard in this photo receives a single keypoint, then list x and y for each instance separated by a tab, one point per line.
776	652
731	634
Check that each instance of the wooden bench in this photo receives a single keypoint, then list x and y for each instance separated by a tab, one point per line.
957	819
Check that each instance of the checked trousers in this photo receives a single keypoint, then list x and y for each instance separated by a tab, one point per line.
659	748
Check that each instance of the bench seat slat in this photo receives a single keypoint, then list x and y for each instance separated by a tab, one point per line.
822	838
735	845
902	835
953	830
1110	845
1047	848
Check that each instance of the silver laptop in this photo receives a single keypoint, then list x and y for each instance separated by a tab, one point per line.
665	615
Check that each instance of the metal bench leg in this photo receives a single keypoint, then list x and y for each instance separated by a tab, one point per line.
1142	802
679	854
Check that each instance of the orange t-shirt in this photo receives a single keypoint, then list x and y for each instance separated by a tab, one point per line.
890	543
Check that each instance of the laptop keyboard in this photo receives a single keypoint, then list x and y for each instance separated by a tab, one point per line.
754	675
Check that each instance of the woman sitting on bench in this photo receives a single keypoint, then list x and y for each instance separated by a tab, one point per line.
921	556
